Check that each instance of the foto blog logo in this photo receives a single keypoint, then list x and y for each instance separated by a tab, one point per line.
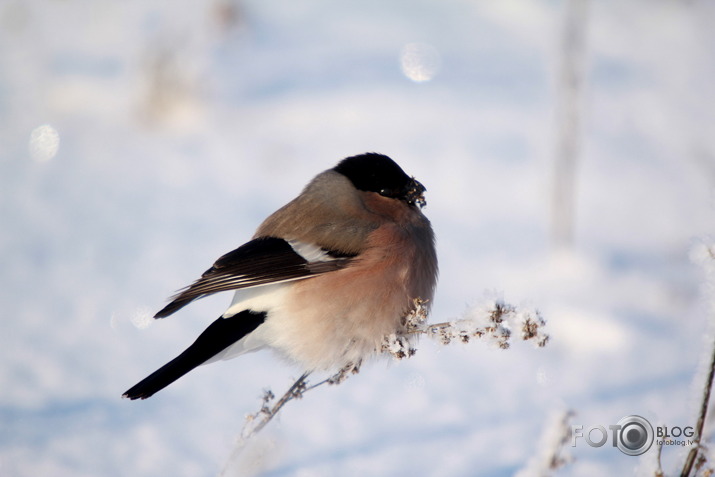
632	435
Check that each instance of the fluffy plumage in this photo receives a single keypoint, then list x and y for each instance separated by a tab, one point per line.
324	278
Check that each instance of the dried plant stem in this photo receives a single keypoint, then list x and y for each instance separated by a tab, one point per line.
256	422
295	391
431	327
692	455
253	427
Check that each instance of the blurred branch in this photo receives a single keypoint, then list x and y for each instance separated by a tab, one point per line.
692	455
569	91
658	463
552	454
704	255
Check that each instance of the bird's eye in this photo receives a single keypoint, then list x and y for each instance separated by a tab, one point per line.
392	193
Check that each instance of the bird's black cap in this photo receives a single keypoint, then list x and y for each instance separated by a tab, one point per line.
374	172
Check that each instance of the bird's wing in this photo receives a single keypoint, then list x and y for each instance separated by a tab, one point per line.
259	262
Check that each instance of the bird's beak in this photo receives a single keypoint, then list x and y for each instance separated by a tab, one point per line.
415	193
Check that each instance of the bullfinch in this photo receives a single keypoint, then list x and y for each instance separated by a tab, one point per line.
324	279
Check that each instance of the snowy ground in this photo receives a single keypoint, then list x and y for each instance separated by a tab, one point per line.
182	125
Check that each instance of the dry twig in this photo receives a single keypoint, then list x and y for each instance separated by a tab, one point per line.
690	460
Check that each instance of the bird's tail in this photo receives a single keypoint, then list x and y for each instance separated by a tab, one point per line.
221	334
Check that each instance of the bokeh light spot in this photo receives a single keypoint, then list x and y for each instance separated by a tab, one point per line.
44	143
419	61
142	318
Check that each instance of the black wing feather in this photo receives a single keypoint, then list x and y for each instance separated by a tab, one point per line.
261	261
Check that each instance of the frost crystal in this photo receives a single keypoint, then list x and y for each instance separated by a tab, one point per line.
398	346
416	318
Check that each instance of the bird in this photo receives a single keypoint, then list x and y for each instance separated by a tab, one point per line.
324	278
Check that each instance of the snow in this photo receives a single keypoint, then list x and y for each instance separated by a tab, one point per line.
141	141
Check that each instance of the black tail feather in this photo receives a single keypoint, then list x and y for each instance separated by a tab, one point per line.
221	334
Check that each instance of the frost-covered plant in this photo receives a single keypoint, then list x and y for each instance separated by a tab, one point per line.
551	455
697	458
495	321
